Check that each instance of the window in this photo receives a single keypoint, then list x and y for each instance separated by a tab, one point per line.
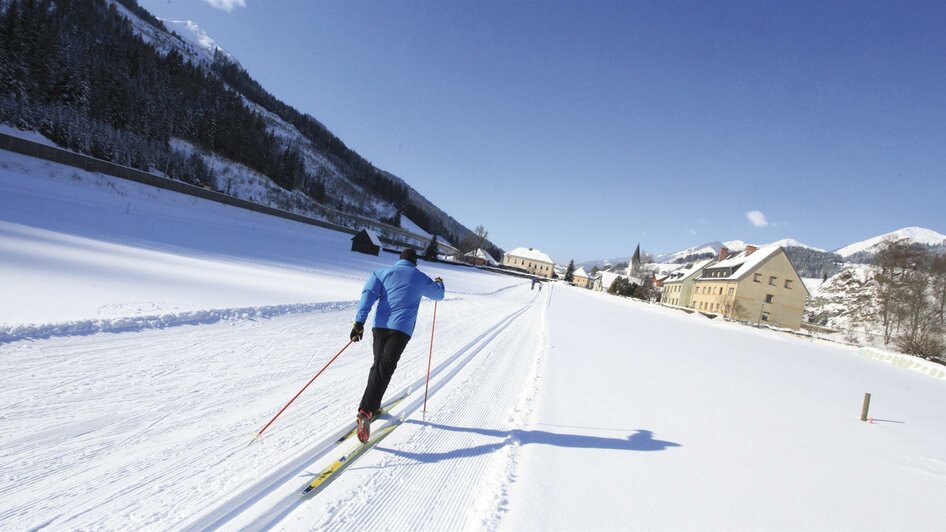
757	278
717	307
731	290
769	298
788	284
765	316
773	281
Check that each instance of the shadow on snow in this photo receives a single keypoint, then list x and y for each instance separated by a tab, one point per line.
639	440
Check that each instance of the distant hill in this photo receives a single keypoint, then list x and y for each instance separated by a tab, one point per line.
864	251
108	79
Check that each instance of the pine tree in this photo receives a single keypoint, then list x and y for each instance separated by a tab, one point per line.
570	271
431	252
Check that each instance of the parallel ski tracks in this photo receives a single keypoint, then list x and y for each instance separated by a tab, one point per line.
290	472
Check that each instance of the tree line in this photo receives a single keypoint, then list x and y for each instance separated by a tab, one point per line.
76	71
910	301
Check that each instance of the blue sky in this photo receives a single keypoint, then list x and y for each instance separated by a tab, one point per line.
583	128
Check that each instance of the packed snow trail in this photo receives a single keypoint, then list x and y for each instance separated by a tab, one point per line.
151	428
274	497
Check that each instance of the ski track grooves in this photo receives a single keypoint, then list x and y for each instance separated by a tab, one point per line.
467	448
290	472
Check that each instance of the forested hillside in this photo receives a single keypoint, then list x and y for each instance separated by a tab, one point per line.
79	73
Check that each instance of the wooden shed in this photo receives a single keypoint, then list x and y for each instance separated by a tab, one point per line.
366	241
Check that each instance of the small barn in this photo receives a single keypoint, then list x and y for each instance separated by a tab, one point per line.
366	241
480	257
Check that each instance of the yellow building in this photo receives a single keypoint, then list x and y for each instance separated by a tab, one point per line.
529	260
756	285
580	278
678	286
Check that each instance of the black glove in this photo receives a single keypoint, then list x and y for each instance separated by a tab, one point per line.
357	331
438	279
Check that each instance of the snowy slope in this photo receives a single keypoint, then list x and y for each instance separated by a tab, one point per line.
910	234
709	247
791	243
559	409
124	250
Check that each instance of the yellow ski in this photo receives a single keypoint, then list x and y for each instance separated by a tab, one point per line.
329	474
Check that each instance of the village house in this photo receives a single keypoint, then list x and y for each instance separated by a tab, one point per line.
580	278
366	241
756	285
678	286
480	257
530	261
603	279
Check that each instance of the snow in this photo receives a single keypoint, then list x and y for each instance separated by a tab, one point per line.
791	243
409	225
746	263
912	234
812	283
373	237
482	254
34	136
560	409
607	278
685	273
197	37
712	247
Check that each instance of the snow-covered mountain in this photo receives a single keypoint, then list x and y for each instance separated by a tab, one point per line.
204	47
792	243
224	130
713	248
709	248
183	36
917	235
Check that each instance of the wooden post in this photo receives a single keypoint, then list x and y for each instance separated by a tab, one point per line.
866	407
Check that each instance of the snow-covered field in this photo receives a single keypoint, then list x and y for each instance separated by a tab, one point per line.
146	336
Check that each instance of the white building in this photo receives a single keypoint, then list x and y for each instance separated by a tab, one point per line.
529	260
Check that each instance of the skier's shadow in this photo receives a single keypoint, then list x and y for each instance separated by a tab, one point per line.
639	440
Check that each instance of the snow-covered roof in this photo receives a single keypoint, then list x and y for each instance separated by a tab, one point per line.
685	273
373	236
482	254
531	254
745	263
607	278
580	272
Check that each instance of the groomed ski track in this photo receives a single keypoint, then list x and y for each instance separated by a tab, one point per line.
278	495
215	384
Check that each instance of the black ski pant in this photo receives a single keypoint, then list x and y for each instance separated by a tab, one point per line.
388	346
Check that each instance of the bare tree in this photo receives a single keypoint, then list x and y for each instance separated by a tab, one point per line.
938	271
476	240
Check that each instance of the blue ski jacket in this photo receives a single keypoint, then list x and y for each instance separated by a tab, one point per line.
398	291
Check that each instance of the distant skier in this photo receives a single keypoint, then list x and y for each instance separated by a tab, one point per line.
534	281
398	291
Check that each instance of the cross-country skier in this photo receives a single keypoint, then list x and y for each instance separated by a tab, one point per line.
398	291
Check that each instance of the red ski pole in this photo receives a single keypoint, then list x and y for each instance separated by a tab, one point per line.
430	356
260	433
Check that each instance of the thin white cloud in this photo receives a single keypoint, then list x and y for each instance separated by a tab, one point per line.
226	5
757	219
